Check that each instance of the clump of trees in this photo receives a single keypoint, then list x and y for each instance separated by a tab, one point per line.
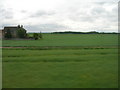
37	36
21	33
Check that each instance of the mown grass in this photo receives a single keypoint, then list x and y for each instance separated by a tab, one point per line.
71	68
67	40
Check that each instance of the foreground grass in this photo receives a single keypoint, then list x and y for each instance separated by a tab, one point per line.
71	68
67	40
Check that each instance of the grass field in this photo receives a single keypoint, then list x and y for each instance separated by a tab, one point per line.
62	67
68	40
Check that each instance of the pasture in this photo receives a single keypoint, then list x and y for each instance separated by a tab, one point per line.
67	40
77	61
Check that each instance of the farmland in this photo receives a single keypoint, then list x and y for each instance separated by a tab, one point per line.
67	40
69	61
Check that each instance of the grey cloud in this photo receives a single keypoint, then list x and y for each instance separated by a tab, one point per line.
82	18
103	3
102	13
74	13
98	11
6	14
23	11
46	27
41	13
115	9
88	13
100	3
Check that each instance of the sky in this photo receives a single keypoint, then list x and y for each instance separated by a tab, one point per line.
60	15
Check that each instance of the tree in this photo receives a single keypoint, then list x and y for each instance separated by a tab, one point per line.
21	33
8	34
36	36
40	35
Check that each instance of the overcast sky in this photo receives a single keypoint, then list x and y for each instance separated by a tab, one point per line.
60	15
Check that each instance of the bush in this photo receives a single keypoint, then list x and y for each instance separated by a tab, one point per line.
21	33
36	36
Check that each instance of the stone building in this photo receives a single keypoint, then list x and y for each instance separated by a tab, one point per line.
1	34
13	30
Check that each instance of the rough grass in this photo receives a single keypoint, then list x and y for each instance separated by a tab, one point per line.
81	68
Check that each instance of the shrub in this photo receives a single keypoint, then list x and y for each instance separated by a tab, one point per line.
21	33
36	36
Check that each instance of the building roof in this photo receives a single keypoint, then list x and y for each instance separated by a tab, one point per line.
10	27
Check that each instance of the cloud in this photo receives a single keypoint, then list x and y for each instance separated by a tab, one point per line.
54	15
41	13
23	11
6	14
48	27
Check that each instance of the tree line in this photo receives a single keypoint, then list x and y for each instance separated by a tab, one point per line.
91	32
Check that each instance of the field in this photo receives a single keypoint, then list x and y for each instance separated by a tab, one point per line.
68	40
62	61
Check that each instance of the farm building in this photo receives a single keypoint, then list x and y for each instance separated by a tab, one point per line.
1	34
13	32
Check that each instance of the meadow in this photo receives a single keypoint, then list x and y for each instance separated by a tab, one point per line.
69	61
67	40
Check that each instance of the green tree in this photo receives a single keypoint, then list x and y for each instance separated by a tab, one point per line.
36	36
21	33
8	34
40	35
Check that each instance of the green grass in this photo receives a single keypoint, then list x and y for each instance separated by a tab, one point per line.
68	40
71	68
62	61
